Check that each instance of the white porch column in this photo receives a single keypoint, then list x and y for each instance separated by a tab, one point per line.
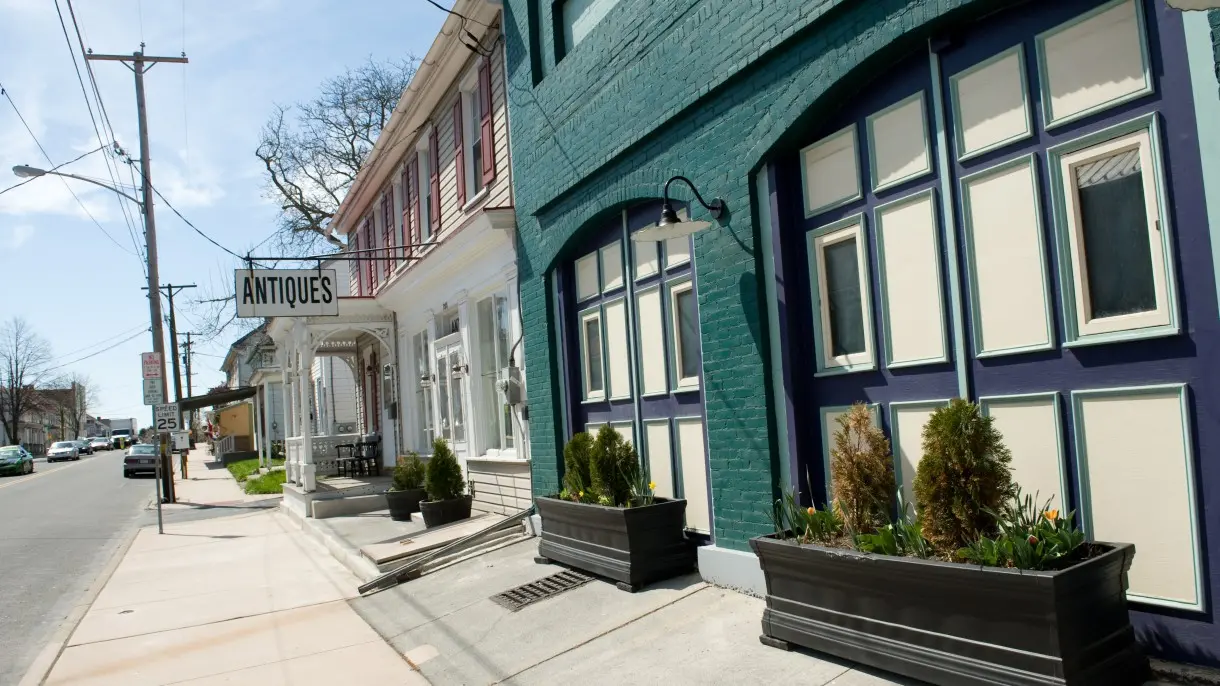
265	389
286	387
308	471
256	427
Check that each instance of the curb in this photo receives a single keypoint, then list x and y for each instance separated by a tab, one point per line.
42	665
363	568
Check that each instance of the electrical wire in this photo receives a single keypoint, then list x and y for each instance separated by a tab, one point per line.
139	329
99	352
7	96
456	14
56	167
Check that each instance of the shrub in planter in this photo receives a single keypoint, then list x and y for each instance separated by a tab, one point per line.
1023	599
963	477
446	501
609	522
862	471
406	488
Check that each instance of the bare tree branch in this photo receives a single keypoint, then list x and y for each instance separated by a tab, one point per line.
24	360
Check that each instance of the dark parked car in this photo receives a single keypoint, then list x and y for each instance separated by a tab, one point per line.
84	446
15	460
140	458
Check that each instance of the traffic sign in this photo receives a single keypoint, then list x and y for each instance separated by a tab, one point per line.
152	364
154	392
182	440
167	418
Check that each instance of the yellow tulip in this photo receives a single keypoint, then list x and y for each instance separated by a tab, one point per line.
652	485
810	511
1052	515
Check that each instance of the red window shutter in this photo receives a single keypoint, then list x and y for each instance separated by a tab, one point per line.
408	231
486	143
371	237
416	223
459	155
387	231
434	170
355	264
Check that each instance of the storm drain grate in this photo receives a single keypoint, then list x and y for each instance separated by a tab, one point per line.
527	594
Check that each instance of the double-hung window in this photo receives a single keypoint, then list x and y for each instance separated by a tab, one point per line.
1114	239
423	389
684	322
591	346
472	150
842	319
494	334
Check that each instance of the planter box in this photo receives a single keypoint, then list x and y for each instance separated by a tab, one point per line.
950	623
438	512
632	545
403	503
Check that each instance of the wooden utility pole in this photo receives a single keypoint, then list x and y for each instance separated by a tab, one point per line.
138	63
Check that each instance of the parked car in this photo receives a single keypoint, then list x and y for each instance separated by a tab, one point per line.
140	458
99	443
15	460
84	447
63	450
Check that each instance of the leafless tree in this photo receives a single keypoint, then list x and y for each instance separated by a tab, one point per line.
25	358
312	151
74	395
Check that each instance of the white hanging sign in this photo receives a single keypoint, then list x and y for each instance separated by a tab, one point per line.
287	292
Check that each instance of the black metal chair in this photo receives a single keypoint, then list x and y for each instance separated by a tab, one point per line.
369	455
344	466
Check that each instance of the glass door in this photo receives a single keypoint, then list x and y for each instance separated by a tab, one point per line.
451	393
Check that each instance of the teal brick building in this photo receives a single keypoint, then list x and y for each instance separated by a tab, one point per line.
726	357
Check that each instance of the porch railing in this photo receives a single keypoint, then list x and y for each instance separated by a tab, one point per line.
224	446
324	452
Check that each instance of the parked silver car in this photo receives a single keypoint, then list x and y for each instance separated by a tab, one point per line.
140	458
100	443
63	450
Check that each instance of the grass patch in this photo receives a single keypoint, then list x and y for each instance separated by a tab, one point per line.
270	483
242	469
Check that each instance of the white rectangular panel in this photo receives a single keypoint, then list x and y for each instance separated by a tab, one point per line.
660	457
1030	427
898	142
612	267
625	429
652	342
1006	253
1137	467
1094	63
694	474
907	425
991	104
645	259
831	171
617	360
587	284
677	251
910	276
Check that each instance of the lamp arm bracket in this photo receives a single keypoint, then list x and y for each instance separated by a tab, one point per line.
716	206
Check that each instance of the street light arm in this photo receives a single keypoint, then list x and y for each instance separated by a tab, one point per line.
24	171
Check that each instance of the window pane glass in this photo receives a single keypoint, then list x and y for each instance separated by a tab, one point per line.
442	397
593	356
489	410
1114	226
502	347
459	423
843	298
688	334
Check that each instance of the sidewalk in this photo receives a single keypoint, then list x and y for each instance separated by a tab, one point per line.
208	484
242	599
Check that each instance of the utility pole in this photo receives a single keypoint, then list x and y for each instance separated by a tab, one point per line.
139	63
186	362
170	290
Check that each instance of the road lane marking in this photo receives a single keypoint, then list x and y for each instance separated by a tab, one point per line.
35	475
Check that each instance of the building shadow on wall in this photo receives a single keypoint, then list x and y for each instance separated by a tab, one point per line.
1161	643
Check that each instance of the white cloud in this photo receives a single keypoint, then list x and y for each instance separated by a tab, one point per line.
18	235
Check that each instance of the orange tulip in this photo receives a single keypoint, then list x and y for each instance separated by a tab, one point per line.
810	511
1052	515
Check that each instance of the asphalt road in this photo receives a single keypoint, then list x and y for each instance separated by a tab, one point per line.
58	528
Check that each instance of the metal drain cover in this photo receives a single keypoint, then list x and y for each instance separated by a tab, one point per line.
527	594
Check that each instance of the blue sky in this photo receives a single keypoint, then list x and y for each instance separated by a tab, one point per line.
74	285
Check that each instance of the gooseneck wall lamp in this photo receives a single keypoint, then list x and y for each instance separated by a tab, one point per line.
670	226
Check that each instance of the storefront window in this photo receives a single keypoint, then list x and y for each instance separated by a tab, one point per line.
495	415
423	386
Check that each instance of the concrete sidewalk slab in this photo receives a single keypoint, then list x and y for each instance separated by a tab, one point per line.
453	633
242	599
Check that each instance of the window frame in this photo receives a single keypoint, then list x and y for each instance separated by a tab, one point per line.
816	241
423	177
1141	133
471	134
595	257
421	346
871	142
850	129
583	317
495	297
673	288
955	102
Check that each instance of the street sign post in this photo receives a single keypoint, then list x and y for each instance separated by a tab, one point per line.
154	392
152	364
167	418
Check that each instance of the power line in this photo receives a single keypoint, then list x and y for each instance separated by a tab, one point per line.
141	328
5	93
196	228
138	333
59	166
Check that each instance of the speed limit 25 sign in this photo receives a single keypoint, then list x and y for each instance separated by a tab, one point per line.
167	417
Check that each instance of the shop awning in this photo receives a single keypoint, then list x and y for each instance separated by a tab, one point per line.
218	398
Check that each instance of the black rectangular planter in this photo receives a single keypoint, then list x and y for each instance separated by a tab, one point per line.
950	623
633	545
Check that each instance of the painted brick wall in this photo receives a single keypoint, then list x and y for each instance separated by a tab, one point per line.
704	89
1213	18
